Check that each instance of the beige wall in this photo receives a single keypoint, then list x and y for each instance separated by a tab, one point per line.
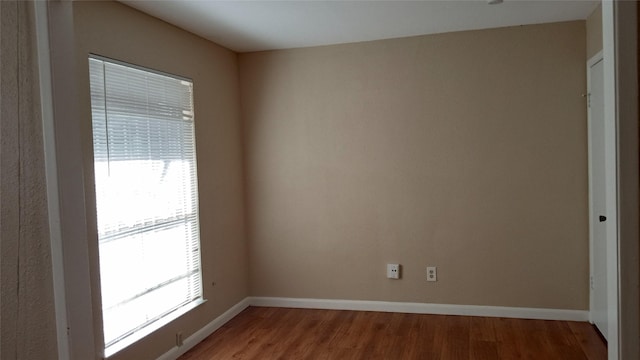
465	150
594	32
26	284
114	30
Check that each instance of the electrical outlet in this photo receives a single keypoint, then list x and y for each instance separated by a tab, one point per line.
393	271
432	273
179	339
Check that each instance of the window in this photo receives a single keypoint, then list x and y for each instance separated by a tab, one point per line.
146	199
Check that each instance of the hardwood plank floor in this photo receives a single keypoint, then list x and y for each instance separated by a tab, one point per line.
282	333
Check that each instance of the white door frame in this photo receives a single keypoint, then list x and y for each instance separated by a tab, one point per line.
610	129
620	46
592	214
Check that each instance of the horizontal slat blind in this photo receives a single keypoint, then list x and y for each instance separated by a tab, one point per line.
146	195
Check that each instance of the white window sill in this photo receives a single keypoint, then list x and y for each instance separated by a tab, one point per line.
133	338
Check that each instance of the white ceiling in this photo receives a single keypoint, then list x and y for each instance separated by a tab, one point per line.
245	26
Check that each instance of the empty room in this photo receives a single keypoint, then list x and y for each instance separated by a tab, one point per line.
319	180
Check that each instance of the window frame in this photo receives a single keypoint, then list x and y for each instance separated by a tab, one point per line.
144	331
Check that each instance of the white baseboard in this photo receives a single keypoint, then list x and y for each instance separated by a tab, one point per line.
383	306
422	308
207	330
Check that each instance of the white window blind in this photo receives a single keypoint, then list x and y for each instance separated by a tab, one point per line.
146	197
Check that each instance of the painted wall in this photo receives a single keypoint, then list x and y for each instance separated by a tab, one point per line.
594	32
26	284
114	30
357	155
466	151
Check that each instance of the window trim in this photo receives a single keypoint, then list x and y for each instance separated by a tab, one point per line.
141	332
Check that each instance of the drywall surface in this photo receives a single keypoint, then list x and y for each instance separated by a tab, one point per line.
594	32
116	31
466	151
26	304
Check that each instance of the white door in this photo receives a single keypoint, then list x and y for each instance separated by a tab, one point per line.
597	181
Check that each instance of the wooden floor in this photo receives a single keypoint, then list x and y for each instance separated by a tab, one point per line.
280	333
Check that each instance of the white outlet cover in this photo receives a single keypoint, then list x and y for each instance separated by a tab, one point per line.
393	271
432	273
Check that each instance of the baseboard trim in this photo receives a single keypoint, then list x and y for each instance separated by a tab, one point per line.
207	330
423	308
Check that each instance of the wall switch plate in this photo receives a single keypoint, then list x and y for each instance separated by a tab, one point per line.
393	271
179	339
432	273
